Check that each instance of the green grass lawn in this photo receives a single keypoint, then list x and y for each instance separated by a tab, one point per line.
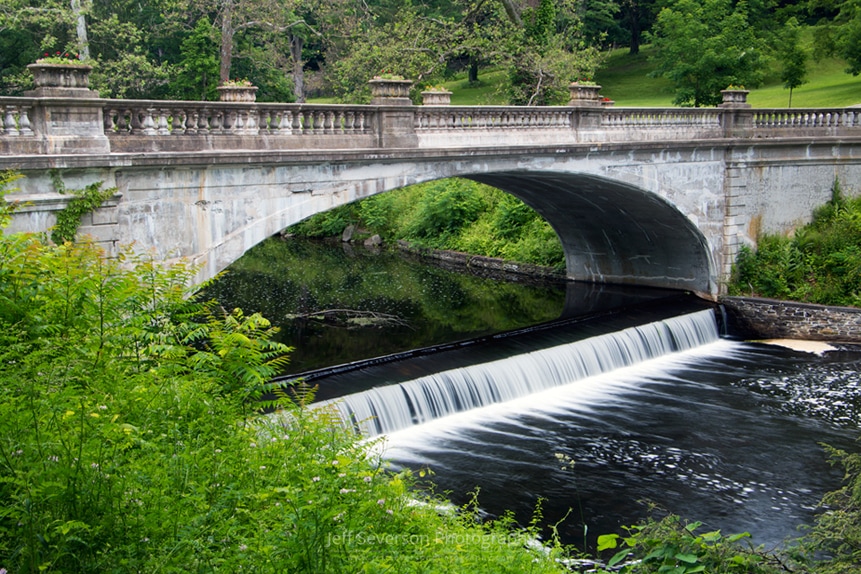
626	80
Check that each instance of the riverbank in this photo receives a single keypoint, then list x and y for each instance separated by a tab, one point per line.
759	318
493	267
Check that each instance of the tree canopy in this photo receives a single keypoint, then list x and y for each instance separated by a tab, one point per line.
294	49
704	47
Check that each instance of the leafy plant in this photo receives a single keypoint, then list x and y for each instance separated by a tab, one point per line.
820	263
85	200
64	58
669	546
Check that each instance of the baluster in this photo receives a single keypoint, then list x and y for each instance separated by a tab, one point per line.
137	118
191	119
108	115
178	126
252	122
163	128
319	123
350	122
24	121
273	121
9	124
296	123
121	125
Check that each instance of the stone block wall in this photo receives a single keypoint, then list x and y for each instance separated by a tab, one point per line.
755	318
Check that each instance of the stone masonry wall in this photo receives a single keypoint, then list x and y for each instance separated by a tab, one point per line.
754	318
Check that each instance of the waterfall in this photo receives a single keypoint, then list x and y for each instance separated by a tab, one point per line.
386	409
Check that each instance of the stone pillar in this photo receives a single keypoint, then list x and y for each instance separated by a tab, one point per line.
67	116
396	127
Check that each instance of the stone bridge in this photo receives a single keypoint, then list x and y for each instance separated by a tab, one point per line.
652	196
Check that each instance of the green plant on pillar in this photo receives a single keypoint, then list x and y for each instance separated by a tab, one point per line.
85	200
6	208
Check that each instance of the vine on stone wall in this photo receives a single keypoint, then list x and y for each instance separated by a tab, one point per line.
85	200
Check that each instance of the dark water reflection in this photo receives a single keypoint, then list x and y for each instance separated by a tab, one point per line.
432	306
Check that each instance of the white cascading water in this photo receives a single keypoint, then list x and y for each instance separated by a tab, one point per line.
386	409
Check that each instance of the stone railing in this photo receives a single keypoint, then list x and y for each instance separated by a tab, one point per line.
85	124
15	117
457	118
661	118
806	118
137	124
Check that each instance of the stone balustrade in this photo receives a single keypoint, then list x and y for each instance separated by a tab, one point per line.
806	118
15	117
48	125
466	118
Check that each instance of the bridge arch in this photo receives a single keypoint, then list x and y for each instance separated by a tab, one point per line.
611	231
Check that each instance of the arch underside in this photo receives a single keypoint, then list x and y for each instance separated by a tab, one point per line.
613	232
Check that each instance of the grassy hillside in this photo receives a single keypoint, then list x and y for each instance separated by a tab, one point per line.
626	80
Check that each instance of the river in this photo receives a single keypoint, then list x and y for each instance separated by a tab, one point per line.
726	432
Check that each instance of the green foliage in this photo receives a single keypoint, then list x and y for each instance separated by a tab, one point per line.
445	208
85	200
668	546
128	444
6	208
197	75
703	47
836	533
454	214
821	263
327	224
792	57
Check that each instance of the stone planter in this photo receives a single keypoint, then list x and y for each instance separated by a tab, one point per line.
390	92
734	98
584	94
62	80
237	93
436	98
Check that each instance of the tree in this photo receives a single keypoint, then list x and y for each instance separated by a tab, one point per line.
636	17
703	47
793	57
839	33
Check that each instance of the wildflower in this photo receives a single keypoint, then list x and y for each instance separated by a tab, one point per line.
334	463
94	465
263	467
315	479
52	458
347	490
342	474
381	501
243	547
367	479
390	512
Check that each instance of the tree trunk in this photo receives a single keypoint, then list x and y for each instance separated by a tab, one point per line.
634	27
473	70
81	30
513	11
226	39
296	45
